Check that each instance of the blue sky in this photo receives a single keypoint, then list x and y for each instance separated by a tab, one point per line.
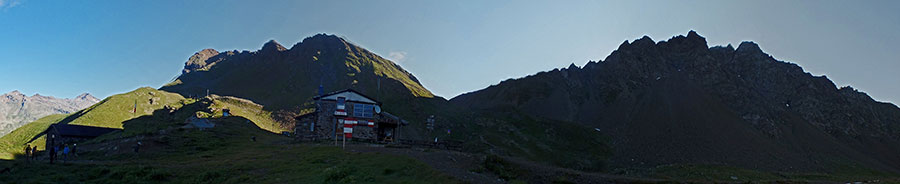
64	48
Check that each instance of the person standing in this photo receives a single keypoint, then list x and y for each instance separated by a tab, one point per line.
52	153
66	153
27	152
34	153
58	152
137	147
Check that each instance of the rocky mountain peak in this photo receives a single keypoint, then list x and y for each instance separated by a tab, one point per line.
572	66
198	60
748	47
691	42
86	96
644	41
693	34
750	51
15	93
322	37
320	59
320	41
205	53
272	46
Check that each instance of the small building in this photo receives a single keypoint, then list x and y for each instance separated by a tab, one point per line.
350	114
198	123
58	134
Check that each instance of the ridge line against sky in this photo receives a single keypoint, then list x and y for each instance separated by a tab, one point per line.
62	48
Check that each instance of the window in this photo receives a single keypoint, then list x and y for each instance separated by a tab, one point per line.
363	110
340	102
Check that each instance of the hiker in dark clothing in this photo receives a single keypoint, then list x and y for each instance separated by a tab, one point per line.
34	153
74	151
27	152
66	153
59	152
52	154
137	147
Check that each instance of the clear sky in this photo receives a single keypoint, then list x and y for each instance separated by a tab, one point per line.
64	48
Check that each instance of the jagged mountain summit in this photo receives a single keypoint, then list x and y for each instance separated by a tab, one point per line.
285	80
680	101
17	109
279	77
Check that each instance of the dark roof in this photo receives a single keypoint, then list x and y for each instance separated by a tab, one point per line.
79	130
394	118
347	90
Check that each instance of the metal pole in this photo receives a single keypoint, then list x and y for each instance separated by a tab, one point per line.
335	131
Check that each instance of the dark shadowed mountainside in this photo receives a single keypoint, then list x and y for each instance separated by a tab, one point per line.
680	101
650	108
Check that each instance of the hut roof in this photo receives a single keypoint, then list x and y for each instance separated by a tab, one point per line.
80	130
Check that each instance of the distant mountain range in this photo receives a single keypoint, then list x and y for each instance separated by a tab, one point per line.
17	109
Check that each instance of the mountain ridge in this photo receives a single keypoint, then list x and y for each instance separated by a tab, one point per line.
309	49
17	109
778	99
647	107
284	80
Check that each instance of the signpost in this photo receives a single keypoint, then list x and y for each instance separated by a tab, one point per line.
348	129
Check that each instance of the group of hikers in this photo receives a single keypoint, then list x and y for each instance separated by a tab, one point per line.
31	153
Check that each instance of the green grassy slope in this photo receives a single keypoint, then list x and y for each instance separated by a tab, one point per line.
260	164
224	154
109	112
250	110
361	59
113	110
13	143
